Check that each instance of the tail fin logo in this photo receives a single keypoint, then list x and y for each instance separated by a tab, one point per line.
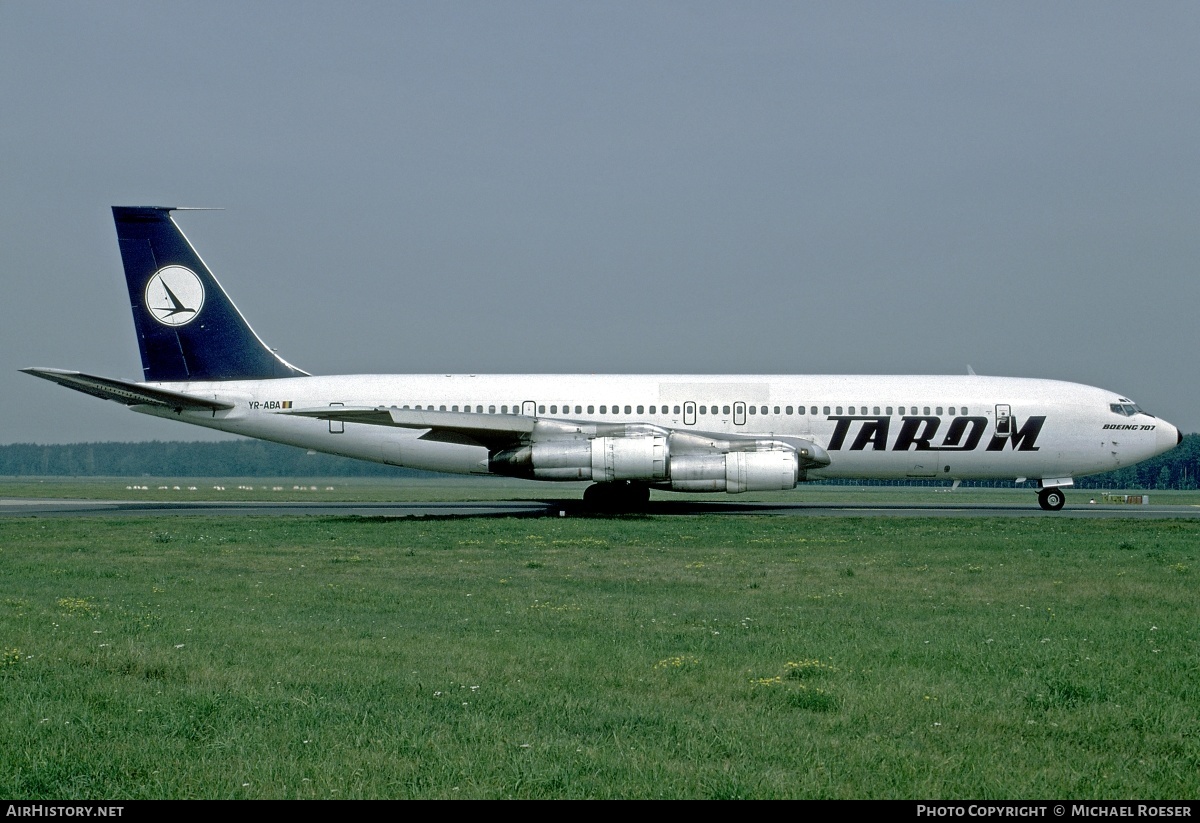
174	296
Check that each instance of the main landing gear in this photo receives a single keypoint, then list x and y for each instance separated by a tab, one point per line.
1051	499
622	496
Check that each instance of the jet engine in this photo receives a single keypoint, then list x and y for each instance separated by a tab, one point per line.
736	472
676	462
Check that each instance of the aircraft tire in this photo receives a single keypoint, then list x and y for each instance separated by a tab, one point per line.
622	496
1051	499
595	496
637	495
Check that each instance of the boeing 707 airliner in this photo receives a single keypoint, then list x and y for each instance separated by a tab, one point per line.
628	434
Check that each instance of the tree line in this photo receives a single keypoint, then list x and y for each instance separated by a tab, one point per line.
1177	469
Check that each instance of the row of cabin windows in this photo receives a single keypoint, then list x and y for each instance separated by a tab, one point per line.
705	410
874	410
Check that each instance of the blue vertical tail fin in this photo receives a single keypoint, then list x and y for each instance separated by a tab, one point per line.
187	327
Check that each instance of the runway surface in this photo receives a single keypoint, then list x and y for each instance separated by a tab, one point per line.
32	507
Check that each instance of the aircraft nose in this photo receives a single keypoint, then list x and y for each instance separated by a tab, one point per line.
1167	437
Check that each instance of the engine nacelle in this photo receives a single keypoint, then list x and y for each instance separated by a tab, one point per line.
562	460
761	465
735	472
629	458
603	459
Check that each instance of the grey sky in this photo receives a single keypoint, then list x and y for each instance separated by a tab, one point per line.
608	187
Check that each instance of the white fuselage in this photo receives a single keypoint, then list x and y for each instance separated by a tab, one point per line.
871	426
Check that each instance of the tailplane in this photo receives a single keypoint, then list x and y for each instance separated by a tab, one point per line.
187	327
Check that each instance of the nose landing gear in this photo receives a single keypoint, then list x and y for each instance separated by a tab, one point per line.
1051	499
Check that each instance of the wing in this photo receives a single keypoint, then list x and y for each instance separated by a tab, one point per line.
513	434
496	431
130	394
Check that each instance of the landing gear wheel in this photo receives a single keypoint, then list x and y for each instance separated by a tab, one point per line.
1051	499
622	496
637	495
594	497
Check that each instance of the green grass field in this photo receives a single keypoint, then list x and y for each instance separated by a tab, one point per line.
627	657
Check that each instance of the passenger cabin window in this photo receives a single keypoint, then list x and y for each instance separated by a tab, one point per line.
725	410
788	409
628	410
926	410
939	411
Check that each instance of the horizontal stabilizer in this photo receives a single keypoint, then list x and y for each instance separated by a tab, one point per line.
130	394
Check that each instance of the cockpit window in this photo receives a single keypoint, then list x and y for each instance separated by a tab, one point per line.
1125	409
